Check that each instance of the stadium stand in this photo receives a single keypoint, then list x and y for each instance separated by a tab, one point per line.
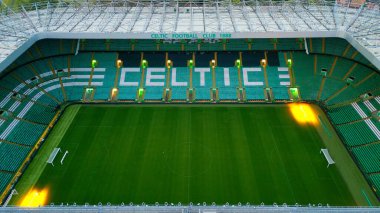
366	155
40	114
108	61
308	78
5	178
357	133
375	179
24	133
227	81
343	114
202	82
179	83
11	156
44	78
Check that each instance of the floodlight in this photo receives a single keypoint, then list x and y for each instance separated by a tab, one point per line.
294	92
119	63
94	63
190	63
238	63
213	63
144	64
169	63
289	62
263	62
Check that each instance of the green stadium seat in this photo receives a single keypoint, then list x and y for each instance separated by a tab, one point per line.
11	156
202	91
179	91
367	155
229	74
5	178
375	179
357	133
107	61
25	133
343	114
307	81
40	114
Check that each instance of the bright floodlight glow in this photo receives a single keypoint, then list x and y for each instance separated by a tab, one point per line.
190	63
35	198
119	63
141	91
290	62
263	62
238	63
212	63
94	63
168	63
303	113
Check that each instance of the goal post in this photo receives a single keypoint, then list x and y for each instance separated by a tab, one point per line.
67	152
52	156
326	153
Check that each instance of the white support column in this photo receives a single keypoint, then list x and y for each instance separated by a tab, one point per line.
136	14
149	17
204	16
25	14
246	16
217	15
232	15
163	16
191	16
78	45
176	17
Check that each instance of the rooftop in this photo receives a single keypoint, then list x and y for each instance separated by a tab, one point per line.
358	21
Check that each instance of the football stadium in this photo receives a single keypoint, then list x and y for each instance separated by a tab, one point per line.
190	106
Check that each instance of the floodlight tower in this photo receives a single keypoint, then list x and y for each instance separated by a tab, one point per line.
238	66
169	65
141	90
290	71
88	93
268	91
190	65
115	89
293	90
166	93
94	64
214	91
240	89
190	90
263	64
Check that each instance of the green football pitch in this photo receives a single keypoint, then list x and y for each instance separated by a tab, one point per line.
161	153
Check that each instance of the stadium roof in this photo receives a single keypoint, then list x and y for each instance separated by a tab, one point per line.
358	21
